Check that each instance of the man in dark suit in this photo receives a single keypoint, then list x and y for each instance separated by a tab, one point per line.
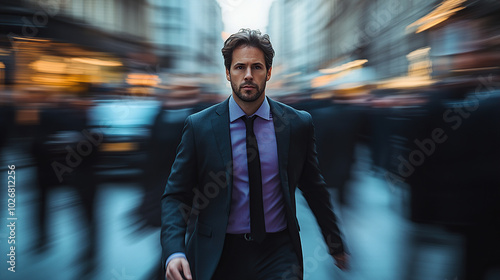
234	177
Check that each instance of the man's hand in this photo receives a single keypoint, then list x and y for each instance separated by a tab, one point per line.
178	269
342	261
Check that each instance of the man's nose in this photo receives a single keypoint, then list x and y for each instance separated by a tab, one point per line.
248	74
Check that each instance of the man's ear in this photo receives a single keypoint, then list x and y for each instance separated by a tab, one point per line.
228	75
268	75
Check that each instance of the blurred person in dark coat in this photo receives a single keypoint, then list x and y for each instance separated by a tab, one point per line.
166	134
65	156
6	121
457	183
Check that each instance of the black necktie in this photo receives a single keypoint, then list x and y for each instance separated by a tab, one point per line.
257	222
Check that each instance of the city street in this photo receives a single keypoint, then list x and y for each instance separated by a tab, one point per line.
404	123
383	244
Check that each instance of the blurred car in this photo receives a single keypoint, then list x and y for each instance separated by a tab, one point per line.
125	125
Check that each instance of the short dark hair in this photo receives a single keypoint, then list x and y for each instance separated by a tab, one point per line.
248	37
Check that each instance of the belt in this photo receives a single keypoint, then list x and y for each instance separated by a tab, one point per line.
248	236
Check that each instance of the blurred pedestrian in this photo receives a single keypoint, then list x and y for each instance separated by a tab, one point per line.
457	184
64	158
6	122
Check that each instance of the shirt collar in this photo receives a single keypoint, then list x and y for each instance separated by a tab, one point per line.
235	112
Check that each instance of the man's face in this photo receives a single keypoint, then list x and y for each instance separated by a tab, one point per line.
248	74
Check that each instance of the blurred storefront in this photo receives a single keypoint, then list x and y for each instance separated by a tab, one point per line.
463	37
2	75
63	67
50	47
64	54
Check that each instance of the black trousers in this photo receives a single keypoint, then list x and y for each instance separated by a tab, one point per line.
273	259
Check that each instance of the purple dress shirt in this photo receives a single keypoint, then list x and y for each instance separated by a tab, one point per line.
274	208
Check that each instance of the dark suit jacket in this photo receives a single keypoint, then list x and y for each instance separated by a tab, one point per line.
200	183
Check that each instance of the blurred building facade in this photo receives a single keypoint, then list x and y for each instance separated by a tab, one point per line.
187	37
123	17
328	34
74	44
317	41
69	45
297	31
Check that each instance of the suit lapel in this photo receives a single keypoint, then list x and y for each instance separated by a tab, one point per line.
220	127
282	131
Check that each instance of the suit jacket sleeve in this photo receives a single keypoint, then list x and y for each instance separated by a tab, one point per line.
313	187
177	199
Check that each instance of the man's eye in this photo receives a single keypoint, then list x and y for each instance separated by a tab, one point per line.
239	67
258	67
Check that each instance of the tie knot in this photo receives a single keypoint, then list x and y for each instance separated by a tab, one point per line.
249	121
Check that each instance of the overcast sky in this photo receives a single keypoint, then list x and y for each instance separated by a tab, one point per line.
238	14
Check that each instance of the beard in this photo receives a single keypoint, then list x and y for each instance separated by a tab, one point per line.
248	95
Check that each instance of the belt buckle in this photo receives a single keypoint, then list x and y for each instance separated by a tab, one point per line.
248	237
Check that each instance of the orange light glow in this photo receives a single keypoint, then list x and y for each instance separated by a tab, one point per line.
444	11
138	79
345	66
98	62
52	67
405	83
